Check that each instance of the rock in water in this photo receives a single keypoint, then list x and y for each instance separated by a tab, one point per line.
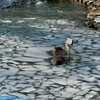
5	4
28	3
38	2
9	3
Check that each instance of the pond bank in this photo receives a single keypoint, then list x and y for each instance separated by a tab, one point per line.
93	16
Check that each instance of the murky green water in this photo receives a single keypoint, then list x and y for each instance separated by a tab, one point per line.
44	15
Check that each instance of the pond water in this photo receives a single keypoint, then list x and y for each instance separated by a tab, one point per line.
26	36
44	16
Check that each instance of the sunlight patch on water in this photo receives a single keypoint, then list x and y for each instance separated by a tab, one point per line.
6	21
29	18
20	21
30	25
